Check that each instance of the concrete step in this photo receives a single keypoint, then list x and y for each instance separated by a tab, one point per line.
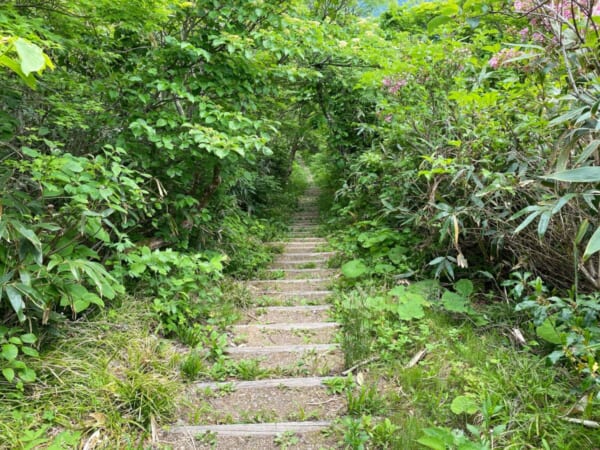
306	264
274	400
260	436
302	274
301	359
296	333
307	239
282	314
303	256
299	247
293	298
302	285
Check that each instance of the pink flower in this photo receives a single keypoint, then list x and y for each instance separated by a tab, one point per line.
524	33
393	85
523	6
538	37
503	57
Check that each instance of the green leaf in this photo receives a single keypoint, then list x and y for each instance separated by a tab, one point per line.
30	351
354	268
397	253
27	375
432	442
16	301
527	221
30	236
9	374
464	404
548	332
32	57
580	175
593	246
464	287
28	338
437	22
9	352
454	302
410	310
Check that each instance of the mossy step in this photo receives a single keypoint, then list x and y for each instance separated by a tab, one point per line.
293	264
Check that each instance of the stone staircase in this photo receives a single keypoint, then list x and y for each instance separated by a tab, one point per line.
288	337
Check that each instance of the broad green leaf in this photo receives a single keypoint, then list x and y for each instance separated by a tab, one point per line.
464	404
27	375
593	245
9	374
548	332
437	22
9	351
464	287
32	57
397	253
30	351
432	442
354	268
589	174
16	301
454	302
410	310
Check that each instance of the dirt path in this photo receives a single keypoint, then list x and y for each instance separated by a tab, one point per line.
289	340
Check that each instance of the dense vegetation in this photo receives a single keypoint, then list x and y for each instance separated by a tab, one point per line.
147	150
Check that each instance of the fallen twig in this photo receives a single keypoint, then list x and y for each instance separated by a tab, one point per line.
415	359
360	364
585	423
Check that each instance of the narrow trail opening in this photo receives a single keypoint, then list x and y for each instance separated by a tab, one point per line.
288	338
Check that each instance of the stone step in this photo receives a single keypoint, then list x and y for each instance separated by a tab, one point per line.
307	264
297	222
308	284
295	382
287	399
299	247
307	239
302	274
303	256
259	436
305	359
296	297
298	333
283	314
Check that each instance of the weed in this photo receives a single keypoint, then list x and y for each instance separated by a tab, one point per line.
355	435
368	401
192	365
144	396
249	369
339	385
285	439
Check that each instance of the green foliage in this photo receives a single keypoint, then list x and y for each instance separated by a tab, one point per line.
567	325
14	346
